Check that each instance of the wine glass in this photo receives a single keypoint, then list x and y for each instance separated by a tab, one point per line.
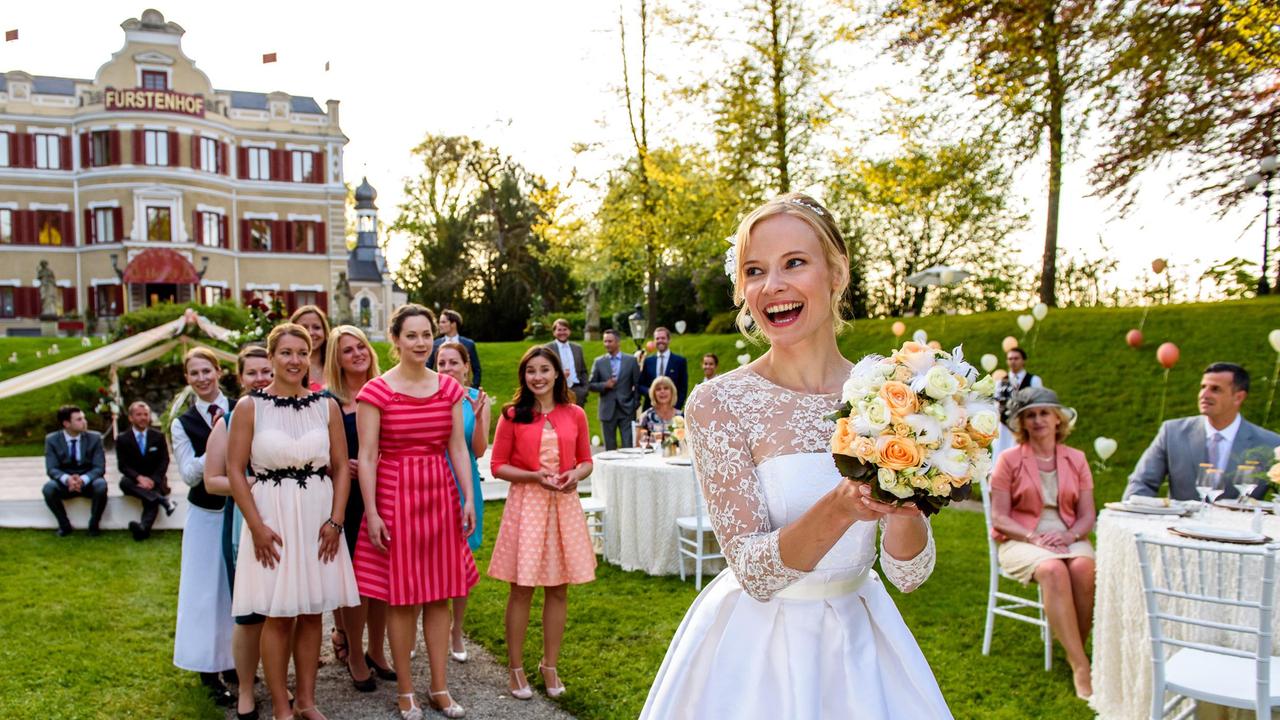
1245	482
1208	480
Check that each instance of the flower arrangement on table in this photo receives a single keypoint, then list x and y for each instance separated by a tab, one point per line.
1273	475
916	426
673	441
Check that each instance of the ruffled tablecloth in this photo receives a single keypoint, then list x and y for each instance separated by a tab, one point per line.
643	496
1121	636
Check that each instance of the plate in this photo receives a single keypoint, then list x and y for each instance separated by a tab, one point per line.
633	451
1233	504
609	455
1215	533
1145	509
678	461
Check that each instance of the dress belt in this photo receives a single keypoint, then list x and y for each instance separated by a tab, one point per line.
823	591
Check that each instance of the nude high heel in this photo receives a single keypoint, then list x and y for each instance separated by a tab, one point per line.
553	691
521	691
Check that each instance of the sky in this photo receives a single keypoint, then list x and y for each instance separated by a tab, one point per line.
532	79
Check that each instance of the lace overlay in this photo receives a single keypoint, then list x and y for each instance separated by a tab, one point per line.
739	422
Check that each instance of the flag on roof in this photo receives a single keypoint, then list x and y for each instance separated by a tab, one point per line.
268	58
10	35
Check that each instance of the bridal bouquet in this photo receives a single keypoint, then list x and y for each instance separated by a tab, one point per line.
916	426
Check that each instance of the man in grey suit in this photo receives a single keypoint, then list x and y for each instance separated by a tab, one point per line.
1219	436
77	467
616	376
571	358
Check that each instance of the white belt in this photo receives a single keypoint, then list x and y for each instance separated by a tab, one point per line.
822	591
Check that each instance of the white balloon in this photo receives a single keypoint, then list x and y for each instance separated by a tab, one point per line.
595	440
1104	446
1039	311
744	358
680	326
1274	338
1025	322
921	337
740	344
989	362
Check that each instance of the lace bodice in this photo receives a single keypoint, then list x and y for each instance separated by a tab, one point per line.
289	432
762	456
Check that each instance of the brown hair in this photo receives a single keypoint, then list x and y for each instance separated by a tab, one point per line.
279	331
819	219
200	353
462	353
252	350
454	317
520	409
562	321
402	313
333	379
324	322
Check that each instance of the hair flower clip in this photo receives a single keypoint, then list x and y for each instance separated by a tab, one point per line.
731	259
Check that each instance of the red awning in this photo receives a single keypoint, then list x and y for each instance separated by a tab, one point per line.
160	265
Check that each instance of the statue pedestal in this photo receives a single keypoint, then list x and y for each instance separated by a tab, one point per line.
48	328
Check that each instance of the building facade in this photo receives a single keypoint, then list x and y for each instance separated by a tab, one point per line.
146	184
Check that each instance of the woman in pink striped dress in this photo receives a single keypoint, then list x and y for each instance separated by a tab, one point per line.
412	551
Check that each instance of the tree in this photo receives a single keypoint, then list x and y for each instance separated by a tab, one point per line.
929	204
1024	63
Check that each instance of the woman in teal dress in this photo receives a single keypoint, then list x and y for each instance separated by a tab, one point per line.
453	360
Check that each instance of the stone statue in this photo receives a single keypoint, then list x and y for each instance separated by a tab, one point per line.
342	299
50	297
592	302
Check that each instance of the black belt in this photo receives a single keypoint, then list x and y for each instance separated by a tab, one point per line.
300	474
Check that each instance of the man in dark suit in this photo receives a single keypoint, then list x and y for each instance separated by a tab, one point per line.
664	362
616	376
143	459
77	467
1218	436
571	358
450	330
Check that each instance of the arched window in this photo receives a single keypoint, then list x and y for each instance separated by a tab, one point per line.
366	312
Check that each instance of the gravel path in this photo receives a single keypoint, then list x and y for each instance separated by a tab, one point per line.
479	685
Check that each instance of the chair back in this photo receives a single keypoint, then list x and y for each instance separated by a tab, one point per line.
699	503
985	485
1212	597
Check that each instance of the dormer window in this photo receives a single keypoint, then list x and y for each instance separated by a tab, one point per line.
155	80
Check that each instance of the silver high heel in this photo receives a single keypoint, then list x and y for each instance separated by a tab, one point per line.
522	690
452	710
414	712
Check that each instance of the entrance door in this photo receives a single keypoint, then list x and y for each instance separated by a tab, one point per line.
161	293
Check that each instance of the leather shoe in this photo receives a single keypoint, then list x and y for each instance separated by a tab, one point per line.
139	533
64	531
169	506
94	531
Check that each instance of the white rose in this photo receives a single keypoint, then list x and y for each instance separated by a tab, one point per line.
981	466
873	417
939	383
986	387
854	389
888	480
985	422
950	461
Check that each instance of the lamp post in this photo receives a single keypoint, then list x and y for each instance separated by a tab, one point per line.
637	323
1267	168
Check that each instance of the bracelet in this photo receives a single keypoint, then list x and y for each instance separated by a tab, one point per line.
331	523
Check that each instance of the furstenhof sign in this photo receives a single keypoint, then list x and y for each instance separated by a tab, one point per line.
154	101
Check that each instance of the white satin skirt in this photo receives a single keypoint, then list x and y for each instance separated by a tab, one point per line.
830	646
202	641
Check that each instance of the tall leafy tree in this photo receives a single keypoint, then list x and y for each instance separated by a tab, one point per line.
1027	64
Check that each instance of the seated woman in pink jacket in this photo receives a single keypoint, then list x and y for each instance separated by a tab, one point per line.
541	448
1042	511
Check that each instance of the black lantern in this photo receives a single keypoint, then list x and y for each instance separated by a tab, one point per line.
636	320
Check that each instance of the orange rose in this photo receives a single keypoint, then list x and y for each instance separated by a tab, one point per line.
961	441
898	453
843	437
864	448
901	429
900	399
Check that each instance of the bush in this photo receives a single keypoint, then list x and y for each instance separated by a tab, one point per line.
724	323
226	313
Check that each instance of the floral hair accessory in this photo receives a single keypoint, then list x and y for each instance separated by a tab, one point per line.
731	258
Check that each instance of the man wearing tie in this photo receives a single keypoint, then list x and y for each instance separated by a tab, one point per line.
616	376
1219	436
77	467
665	363
571	359
450	330
143	459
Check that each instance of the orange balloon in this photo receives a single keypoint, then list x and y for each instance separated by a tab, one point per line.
1134	338
1167	355
999	375
650	346
898	328
1158	265
935	344
1009	343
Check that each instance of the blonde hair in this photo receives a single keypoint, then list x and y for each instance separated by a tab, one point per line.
279	331
663	381
200	353
834	250
1065	425
333	379
462	353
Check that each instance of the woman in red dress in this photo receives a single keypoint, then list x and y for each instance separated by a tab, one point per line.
412	552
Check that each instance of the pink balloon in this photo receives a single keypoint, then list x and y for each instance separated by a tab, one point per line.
650	346
1134	338
1167	355
898	328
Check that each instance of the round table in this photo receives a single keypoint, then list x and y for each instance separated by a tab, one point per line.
643	496
1121	635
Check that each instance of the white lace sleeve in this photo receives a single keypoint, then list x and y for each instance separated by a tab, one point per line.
907	575
718	439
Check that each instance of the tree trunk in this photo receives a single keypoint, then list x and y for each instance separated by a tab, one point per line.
778	75
917	302
1056	101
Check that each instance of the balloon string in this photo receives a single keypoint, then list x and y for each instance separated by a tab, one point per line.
1164	395
1143	323
1035	337
1271	397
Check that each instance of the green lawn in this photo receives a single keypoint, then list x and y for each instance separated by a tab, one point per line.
88	632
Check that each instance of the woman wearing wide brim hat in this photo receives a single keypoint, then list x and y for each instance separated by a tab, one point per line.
1042	511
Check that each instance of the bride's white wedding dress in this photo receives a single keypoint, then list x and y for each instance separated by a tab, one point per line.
764	640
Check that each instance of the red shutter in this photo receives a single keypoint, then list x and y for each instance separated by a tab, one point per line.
244	235
90	231
64	152
26	301
30	231
113	147
280	236
69	300
223	240
139	147
195	152
322	242
222	158
290	301
197	228
317	167
173	148
66	222
286	169
93	304
86	158
242	163
117	219
322	301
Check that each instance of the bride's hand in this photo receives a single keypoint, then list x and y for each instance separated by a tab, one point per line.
853	496
883	509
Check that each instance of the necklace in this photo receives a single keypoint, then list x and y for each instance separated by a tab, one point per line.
1045	459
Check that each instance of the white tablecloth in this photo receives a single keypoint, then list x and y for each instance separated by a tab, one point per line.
1121	636
643	497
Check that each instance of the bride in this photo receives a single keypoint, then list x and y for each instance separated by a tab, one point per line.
799	625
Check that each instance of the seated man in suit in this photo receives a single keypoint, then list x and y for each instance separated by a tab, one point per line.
450	330
616	376
1219	436
662	363
143	459
77	466
571	359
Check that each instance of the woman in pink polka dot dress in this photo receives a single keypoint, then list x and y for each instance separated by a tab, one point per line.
541	448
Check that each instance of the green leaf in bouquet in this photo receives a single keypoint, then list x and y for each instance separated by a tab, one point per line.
844	411
854	469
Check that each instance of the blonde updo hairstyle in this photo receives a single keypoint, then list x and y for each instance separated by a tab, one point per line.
278	332
834	250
